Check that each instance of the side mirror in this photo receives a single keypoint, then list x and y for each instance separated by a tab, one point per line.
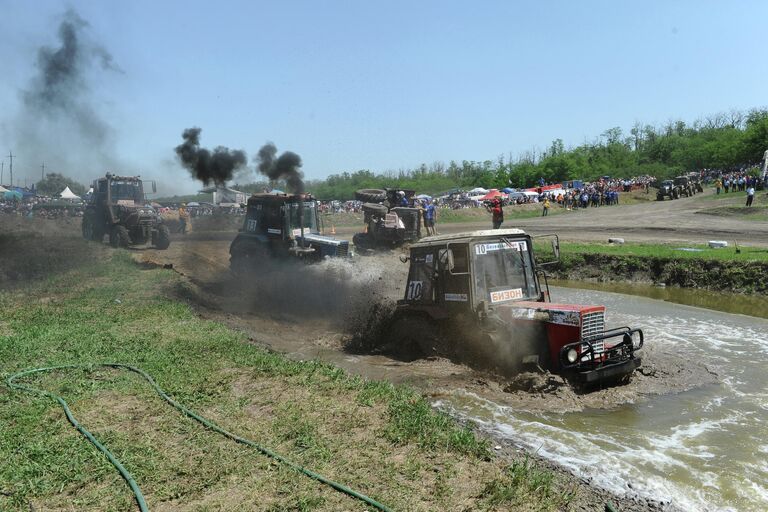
154	187
404	258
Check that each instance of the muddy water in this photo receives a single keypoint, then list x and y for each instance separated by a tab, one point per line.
704	449
753	305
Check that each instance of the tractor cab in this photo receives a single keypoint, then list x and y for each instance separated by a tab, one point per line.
117	207
282	225
484	269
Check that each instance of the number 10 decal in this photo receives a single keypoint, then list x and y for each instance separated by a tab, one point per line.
414	290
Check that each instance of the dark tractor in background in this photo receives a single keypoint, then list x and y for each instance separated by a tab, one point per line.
667	188
390	219
686	185
695	181
118	208
282	226
477	298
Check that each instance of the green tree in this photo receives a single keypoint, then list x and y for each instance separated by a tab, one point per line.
53	184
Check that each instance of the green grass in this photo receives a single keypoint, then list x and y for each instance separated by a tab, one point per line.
380	439
666	251
519	481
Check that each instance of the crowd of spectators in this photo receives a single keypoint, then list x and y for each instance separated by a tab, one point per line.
40	206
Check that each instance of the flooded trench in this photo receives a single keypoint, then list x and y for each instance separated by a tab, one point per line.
703	449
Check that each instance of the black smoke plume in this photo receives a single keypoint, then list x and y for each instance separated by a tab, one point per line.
217	167
286	167
59	121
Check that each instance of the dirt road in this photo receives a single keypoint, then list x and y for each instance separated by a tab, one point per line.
678	220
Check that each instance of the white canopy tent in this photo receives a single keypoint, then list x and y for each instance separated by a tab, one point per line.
3	189
478	190
68	194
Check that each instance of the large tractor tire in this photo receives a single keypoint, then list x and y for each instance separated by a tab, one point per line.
91	231
246	256
371	195
675	194
659	197
413	335
162	240
119	237
363	242
375	209
699	187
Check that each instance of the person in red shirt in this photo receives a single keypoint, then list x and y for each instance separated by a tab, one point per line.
497	212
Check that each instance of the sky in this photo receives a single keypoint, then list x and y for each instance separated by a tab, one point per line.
386	85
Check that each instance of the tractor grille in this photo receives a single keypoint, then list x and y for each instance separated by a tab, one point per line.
593	324
343	249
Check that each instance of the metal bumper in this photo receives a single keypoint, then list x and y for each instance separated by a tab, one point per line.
594	365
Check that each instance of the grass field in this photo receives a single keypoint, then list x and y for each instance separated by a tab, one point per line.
384	441
677	251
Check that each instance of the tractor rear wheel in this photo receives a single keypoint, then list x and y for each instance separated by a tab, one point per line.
119	237
87	228
91	231
371	195
163	238
417	334
244	257
375	209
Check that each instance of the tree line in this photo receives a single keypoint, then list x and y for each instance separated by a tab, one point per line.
720	141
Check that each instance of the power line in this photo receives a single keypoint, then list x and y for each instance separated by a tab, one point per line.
10	157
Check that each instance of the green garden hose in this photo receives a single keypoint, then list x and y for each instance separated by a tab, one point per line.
124	472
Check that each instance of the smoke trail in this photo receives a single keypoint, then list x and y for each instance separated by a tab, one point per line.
59	120
217	167
285	167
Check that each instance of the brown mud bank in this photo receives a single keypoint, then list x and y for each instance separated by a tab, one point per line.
748	277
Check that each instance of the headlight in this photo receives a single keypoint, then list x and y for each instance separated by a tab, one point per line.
572	355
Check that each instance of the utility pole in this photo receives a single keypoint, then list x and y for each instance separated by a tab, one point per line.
2	168
10	156
42	175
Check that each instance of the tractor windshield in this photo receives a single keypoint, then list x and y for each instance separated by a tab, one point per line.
308	220
124	190
504	271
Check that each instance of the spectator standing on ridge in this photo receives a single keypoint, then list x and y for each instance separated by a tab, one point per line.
183	218
497	212
545	212
750	195
430	216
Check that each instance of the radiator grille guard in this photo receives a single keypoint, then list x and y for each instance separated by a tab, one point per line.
604	349
592	325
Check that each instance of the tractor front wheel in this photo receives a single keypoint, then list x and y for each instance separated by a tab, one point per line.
163	238
119	237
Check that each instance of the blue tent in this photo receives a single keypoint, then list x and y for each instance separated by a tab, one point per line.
10	195
508	190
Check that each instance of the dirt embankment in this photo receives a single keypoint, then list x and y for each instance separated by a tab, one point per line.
716	275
